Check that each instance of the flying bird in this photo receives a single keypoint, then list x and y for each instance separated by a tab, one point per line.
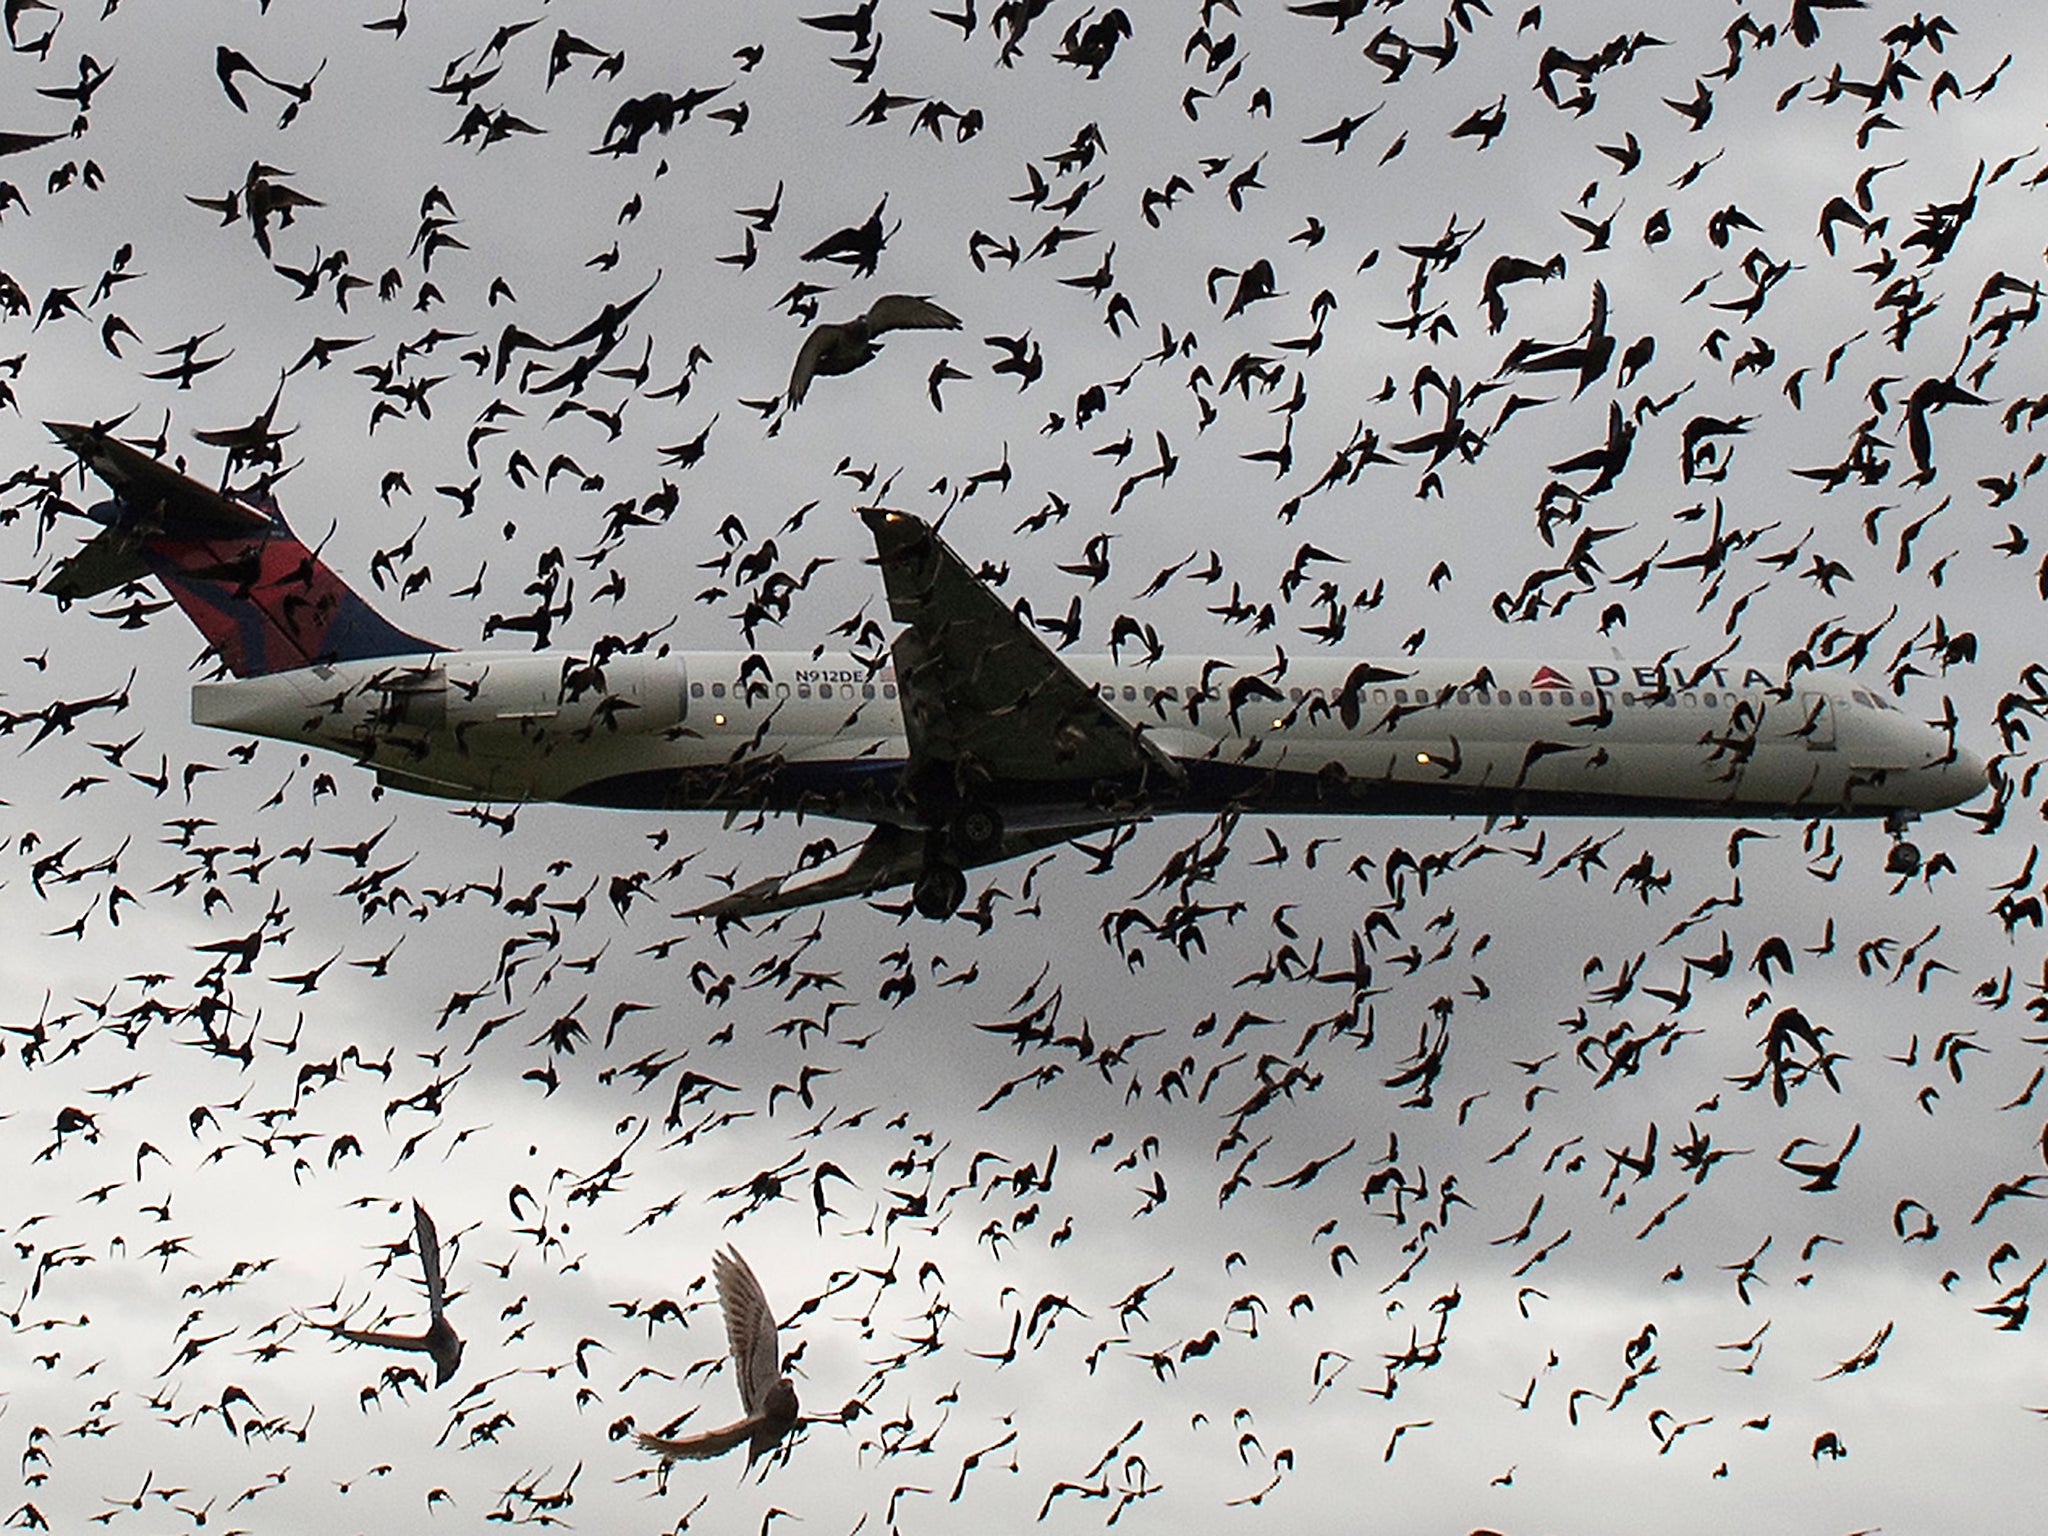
440	1342
767	1396
842	346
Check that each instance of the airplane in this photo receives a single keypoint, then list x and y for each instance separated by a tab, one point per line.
971	741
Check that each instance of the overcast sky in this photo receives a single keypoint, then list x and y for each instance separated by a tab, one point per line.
1546	1303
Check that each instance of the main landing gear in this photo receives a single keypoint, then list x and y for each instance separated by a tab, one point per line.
1904	858
939	889
975	833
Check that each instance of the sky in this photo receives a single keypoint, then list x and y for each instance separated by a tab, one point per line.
1213	1253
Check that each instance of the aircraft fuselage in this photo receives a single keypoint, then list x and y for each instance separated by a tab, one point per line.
825	734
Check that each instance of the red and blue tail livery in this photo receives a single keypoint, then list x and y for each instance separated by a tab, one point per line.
263	600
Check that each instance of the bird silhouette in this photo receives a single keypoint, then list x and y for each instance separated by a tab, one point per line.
842	346
439	1343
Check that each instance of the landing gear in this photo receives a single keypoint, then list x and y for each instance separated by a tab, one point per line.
938	890
1904	858
976	830
973	836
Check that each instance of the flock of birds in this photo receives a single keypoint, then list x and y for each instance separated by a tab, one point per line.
1588	1175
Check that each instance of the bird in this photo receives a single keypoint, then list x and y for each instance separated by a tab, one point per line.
440	1343
767	1397
842	346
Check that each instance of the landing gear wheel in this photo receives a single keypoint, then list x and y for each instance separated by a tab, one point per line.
977	830
1904	858
938	891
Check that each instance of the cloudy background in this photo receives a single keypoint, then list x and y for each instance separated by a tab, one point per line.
577	1188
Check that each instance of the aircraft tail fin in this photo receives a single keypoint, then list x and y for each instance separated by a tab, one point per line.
263	600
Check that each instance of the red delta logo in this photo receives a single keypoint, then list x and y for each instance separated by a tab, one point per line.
1550	677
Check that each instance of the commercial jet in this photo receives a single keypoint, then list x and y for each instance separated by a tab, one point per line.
972	741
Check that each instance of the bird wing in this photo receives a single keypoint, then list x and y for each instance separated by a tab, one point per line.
17	143
817	342
412	1341
909	311
749	1332
712	1442
428	1241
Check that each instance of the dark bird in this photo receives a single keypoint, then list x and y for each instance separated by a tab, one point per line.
1929	396
842	346
858	247
440	1342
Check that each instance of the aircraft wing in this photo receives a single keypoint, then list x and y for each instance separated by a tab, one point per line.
983	697
890	856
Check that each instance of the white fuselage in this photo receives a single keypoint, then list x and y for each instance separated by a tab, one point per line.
826	732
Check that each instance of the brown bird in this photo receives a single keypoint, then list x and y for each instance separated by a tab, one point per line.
841	347
440	1342
767	1396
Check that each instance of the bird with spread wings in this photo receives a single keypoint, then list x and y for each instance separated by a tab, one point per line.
767	1397
844	345
440	1343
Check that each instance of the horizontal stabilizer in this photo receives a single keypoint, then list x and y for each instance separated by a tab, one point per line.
153	496
107	560
264	601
